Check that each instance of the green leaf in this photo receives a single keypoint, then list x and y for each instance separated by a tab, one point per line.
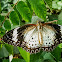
29	6
48	56
3	52
13	60
24	11
1	19
15	50
39	8
53	17
7	25
20	17
5	60
59	22
49	3
18	60
24	54
0	7
14	18
60	45
60	18
36	57
1	29
9	48
2	32
57	53
49	60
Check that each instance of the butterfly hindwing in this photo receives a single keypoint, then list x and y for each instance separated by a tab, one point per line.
55	34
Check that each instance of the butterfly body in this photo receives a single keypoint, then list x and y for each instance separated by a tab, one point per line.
34	37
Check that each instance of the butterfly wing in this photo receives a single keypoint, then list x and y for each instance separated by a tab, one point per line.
52	36
25	37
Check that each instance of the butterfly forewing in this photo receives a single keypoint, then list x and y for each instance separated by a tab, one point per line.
23	37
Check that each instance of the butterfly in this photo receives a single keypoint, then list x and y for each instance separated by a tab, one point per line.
34	37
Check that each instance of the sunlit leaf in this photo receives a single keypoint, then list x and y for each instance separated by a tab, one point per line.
24	54
24	11
39	8
60	18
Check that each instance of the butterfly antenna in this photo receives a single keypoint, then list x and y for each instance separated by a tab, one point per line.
53	21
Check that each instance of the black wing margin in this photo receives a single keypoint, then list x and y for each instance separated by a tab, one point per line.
58	32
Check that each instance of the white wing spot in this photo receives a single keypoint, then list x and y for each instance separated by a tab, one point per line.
60	28
15	34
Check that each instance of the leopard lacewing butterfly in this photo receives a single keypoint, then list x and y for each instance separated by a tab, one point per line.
34	37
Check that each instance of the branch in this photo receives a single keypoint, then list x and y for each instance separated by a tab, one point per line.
8	13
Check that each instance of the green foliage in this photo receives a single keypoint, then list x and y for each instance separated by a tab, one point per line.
60	18
49	3
25	12
1	19
24	54
9	48
57	53
56	4
2	32
29	11
39	8
7	25
14	60
3	51
14	18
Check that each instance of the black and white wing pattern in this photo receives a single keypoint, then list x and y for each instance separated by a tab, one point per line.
25	37
28	37
52	36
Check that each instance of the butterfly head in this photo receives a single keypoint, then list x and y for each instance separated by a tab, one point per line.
39	25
